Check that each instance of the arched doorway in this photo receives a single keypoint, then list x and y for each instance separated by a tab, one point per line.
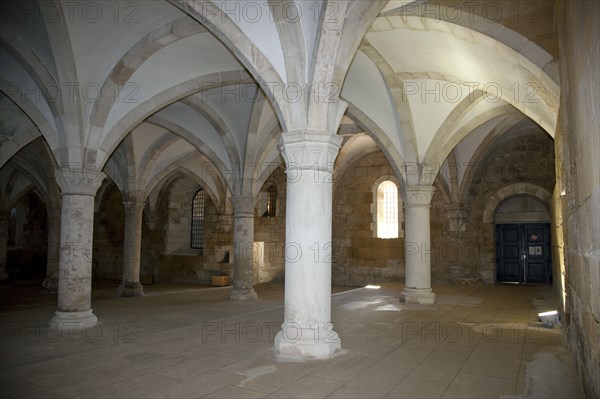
523	250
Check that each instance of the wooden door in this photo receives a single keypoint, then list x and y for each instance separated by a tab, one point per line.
523	253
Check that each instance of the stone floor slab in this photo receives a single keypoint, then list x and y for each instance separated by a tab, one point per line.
308	387
388	348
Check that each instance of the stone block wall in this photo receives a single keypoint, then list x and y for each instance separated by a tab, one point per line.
175	261
179	217
109	228
217	254
464	256
271	231
166	255
456	256
359	258
165	251
26	254
558	247
578	169
517	158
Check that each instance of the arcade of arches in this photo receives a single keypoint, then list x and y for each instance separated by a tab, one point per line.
169	142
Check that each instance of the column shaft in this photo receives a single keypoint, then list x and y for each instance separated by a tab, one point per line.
418	245
75	264
130	284
307	330
243	244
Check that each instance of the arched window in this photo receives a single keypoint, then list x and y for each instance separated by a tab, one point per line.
271	202
197	239
267	204
387	223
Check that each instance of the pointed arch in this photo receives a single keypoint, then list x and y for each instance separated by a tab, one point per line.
507	123
439	151
514	189
134	117
221	127
396	87
141	51
263	71
384	143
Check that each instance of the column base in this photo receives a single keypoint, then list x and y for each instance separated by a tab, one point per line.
239	294
50	286
306	343
419	296
73	320
131	289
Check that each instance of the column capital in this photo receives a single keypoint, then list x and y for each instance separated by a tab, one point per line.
417	195
133	206
310	150
243	206
74	180
131	195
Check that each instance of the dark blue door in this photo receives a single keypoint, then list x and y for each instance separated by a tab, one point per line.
523	253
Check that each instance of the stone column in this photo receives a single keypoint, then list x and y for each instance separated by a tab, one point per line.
417	244
50	283
243	247
76	239
4	224
130	284
307	330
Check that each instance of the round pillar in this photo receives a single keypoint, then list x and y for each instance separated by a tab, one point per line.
307	330
243	244
130	284
78	191
417	245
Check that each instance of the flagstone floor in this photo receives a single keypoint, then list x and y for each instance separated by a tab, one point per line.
192	342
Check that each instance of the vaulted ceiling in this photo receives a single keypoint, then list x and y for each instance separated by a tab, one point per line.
149	87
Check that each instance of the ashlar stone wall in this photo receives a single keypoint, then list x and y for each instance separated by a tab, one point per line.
27	238
271	230
359	257
516	159
578	143
109	227
166	255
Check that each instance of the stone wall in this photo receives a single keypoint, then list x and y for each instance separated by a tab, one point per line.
271	231
166	255
217	255
109	228
26	254
456	256
171	259
469	255
359	258
461	256
559	272
578	143
179	216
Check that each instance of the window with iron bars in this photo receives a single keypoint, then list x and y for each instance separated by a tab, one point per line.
197	239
